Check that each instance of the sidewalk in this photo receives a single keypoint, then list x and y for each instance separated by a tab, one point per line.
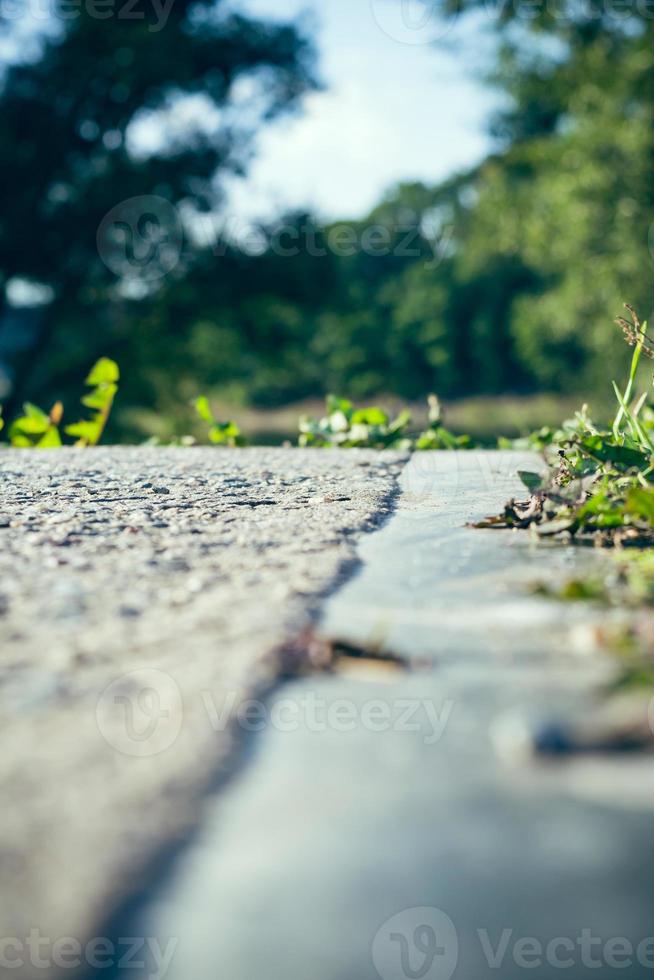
383	828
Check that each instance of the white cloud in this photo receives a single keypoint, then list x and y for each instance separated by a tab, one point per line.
392	111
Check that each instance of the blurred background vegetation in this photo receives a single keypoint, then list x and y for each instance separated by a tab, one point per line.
496	289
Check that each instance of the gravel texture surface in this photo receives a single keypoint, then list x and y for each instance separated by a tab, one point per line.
142	591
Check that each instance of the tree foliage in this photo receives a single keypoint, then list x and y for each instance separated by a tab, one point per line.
145	101
501	279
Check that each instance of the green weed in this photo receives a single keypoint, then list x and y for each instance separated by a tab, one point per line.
36	429
346	427
103	380
599	482
220	433
436	436
349	427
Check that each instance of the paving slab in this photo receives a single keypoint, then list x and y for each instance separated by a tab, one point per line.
380	830
134	583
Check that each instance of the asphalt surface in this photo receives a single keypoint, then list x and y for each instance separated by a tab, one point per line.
144	596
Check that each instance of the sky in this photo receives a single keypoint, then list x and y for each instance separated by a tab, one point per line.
396	107
400	103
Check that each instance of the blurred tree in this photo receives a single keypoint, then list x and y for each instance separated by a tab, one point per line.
505	278
135	107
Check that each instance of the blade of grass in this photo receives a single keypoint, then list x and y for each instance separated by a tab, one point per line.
636	430
626	398
635	411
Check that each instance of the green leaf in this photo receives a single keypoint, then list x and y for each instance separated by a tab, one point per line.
640	502
104	371
601	510
225	434
30	426
50	440
335	404
101	397
35	429
86	431
203	409
532	481
369	416
17	439
401	422
608	452
103	378
36	414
